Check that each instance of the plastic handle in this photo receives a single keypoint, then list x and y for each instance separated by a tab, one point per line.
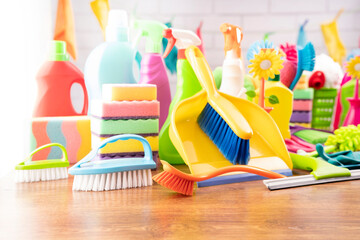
237	168
86	101
320	168
93	153
145	143
64	153
167	33
202	70
222	106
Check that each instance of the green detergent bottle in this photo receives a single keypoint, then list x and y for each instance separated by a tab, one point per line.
187	86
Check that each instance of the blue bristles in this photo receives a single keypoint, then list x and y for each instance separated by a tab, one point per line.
255	48
306	61
234	148
353	53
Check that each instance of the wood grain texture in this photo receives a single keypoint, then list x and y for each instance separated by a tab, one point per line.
50	210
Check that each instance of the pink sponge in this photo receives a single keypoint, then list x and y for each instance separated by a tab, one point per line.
126	109
302	105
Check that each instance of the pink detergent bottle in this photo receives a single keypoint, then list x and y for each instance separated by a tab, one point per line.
61	86
152	70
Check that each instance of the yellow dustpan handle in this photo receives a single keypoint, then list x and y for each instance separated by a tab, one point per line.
202	70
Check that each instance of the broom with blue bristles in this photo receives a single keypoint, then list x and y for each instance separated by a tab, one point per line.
306	61
220	119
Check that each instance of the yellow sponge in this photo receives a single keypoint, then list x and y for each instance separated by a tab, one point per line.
129	92
128	146
307	125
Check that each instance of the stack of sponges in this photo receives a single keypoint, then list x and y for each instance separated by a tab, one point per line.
72	132
126	109
302	107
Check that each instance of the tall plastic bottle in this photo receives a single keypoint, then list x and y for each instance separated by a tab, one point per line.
61	86
113	60
282	111
152	69
187	85
233	68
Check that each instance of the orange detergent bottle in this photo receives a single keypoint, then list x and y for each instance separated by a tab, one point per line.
61	86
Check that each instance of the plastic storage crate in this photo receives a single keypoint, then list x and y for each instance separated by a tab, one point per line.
323	107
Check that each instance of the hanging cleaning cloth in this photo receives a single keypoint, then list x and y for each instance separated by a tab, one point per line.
332	39
64	27
101	10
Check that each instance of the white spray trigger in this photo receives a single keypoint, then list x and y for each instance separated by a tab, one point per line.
185	38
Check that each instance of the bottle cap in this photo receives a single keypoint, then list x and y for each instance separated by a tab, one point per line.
117	27
57	51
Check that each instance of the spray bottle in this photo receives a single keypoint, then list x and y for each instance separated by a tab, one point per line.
152	69
61	86
187	85
233	68
113	60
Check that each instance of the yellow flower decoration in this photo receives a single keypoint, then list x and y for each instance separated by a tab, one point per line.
353	67
266	64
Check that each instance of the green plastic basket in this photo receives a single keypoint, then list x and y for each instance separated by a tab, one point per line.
323	107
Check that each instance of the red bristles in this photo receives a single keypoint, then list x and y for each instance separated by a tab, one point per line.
175	183
290	51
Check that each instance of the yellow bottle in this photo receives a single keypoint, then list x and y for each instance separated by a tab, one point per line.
282	111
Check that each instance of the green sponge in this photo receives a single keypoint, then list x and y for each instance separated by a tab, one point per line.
304	93
135	126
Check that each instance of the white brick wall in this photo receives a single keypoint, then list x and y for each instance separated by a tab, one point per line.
255	17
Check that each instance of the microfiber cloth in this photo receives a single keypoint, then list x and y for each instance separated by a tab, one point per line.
345	159
310	135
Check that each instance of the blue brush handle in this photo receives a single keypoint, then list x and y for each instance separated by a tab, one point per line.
93	153
299	72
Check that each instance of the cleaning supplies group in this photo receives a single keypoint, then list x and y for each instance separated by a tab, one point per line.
208	129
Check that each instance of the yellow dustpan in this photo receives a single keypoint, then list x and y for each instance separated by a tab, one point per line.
267	147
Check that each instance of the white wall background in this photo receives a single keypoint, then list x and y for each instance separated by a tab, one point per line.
256	17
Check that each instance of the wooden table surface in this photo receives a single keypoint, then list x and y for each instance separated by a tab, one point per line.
51	210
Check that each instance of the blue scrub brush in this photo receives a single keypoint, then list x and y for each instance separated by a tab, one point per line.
306	61
93	174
